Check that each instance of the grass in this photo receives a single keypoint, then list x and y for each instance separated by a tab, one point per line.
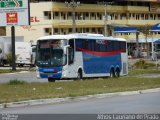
5	71
136	72
8	71
16	82
27	91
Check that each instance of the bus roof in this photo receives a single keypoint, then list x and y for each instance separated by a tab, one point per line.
82	36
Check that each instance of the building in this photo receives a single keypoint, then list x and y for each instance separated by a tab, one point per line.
52	17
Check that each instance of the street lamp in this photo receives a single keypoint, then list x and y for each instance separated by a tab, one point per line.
73	5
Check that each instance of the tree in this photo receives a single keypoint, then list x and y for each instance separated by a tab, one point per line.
2	31
9	58
146	32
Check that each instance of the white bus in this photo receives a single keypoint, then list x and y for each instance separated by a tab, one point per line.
80	55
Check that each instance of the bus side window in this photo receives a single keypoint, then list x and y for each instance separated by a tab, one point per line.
70	55
71	51
71	43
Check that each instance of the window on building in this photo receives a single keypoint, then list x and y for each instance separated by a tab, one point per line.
45	13
154	16
56	14
98	16
142	16
151	16
116	16
146	16
93	30
63	14
92	14
137	16
87	29
123	15
129	15
70	30
133	15
69	14
46	30
56	30
87	14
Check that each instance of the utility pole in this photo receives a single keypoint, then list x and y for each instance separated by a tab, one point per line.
73	5
105	21
13	48
52	17
105	15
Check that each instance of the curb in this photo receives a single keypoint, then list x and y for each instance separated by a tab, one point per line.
67	99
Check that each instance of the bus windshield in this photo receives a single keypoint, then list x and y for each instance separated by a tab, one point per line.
50	53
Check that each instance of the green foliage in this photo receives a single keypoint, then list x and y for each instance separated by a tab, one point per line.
5	71
139	72
9	58
142	64
145	29
2	31
16	82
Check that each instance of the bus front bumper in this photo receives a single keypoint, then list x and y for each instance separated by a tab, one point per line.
49	73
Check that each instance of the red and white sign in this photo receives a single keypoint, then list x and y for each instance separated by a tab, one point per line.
14	12
12	17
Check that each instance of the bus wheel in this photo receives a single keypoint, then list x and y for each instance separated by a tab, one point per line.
80	75
117	73
1	63
51	80
112	73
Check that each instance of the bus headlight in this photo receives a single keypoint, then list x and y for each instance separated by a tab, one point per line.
64	72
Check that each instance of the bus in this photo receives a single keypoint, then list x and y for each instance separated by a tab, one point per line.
80	55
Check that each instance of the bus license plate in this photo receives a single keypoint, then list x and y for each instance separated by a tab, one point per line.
50	75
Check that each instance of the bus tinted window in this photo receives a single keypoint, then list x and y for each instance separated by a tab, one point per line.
110	46
100	45
123	46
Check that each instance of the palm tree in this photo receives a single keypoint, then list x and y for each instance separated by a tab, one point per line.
146	32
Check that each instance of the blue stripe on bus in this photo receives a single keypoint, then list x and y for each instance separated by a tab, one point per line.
100	64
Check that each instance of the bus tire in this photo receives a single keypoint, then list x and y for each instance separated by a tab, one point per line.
117	73
112	73
1	63
80	74
51	80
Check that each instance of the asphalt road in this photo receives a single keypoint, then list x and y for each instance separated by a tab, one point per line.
141	103
25	76
31	77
